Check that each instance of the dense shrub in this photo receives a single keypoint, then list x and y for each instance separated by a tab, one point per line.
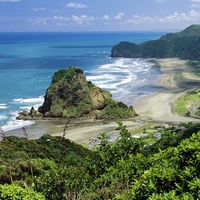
55	168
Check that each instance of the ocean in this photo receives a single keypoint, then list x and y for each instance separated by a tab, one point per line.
29	60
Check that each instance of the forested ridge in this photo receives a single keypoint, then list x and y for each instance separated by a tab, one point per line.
55	168
184	45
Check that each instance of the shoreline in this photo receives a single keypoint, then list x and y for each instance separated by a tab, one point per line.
175	78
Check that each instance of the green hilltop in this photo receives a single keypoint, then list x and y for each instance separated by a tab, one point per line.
183	45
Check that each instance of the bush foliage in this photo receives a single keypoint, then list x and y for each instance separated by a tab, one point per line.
55	168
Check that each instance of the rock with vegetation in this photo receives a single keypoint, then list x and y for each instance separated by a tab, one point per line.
183	45
70	95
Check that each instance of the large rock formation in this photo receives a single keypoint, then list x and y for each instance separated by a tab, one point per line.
70	95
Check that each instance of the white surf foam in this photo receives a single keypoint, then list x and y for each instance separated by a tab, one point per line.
29	100
19	105
121	76
3	106
15	124
26	104
3	117
12	125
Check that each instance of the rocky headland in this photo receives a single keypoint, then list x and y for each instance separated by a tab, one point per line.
184	45
70	95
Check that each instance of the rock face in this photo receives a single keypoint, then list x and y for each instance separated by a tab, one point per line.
71	95
33	114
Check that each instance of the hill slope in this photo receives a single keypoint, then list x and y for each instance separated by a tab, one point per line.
55	168
184	45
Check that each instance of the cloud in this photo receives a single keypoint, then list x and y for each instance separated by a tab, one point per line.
195	4
196	1
160	1
38	9
191	16
83	18
61	18
106	17
76	5
10	0
54	11
119	15
38	21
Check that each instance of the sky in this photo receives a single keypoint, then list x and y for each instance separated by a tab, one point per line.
94	15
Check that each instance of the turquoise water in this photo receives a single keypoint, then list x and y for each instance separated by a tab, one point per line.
28	61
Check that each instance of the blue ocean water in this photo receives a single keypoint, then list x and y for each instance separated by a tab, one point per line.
28	61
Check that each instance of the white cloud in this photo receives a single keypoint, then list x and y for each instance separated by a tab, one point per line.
106	17
54	11
160	1
61	18
196	1
119	15
83	18
60	24
75	5
10	0
38	9
38	21
192	16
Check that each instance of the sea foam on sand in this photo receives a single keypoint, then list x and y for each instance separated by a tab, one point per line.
125	78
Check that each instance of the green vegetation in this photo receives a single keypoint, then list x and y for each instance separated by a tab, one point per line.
55	168
195	64
188	104
117	110
183	45
14	192
63	74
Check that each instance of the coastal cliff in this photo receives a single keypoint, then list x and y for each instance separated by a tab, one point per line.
183	45
70	95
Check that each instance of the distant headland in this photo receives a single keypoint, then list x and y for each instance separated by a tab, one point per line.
183	45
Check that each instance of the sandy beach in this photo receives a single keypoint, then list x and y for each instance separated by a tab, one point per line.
175	79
